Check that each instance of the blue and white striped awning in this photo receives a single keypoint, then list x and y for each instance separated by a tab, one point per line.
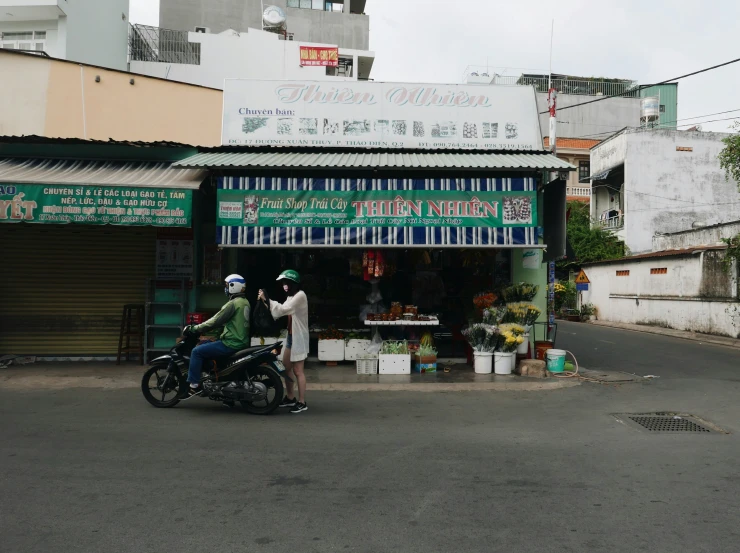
401	237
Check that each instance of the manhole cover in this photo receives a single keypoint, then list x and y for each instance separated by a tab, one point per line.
668	422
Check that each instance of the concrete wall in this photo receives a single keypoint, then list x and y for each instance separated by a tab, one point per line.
344	29
696	237
667	191
251	55
592	120
695	294
62	99
92	31
97	32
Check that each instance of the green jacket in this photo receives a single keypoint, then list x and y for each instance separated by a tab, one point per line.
234	318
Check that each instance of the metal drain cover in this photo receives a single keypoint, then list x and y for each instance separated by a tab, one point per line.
664	422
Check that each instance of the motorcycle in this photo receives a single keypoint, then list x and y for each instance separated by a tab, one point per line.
251	376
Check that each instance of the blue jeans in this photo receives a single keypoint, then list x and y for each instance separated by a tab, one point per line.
211	350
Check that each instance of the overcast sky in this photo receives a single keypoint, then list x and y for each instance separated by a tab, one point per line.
648	41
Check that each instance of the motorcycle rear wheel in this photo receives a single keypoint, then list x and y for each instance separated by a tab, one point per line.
270	378
161	388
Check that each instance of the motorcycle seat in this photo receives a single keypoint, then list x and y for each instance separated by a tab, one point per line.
252	350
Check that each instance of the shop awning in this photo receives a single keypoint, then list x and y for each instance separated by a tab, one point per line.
375	160
101	173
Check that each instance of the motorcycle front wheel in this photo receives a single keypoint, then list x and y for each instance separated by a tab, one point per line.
160	387
270	384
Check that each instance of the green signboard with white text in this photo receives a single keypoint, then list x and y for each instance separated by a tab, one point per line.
95	205
387	208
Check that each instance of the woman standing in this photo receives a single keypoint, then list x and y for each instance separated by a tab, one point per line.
296	346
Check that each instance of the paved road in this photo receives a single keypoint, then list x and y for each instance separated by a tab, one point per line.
88	470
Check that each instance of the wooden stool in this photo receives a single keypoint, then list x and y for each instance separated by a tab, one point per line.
132	330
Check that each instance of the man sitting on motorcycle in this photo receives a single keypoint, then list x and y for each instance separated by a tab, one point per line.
234	319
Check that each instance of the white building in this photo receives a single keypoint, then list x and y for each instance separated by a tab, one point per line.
87	31
650	182
208	59
340	22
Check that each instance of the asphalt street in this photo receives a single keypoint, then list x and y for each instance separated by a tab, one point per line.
92	470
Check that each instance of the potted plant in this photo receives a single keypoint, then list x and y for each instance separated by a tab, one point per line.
588	311
425	360
483	339
394	358
331	345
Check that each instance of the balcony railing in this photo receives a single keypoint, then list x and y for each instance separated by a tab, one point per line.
581	192
162	45
612	223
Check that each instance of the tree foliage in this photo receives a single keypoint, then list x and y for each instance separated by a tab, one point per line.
589	243
729	157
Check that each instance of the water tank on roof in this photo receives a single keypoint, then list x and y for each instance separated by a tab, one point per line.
274	16
649	109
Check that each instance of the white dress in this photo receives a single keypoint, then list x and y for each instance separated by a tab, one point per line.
297	307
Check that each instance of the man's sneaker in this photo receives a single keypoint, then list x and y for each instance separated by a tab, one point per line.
288	402
299	407
192	392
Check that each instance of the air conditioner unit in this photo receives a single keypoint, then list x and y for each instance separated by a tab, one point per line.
202	30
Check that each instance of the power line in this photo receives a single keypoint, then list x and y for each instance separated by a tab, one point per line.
641	87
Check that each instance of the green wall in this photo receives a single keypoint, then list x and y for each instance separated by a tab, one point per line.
668	94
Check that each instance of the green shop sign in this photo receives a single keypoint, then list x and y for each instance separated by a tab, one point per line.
95	205
387	208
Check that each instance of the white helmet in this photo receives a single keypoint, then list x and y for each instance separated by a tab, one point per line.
235	284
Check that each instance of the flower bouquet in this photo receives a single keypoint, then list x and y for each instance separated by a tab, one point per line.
483	338
494	315
520	292
521	313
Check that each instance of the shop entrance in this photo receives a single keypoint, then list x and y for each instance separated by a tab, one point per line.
438	282
65	286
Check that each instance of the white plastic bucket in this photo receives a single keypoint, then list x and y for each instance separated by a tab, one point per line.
523	348
483	362
503	362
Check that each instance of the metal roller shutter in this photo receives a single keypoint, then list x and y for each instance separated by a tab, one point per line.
65	286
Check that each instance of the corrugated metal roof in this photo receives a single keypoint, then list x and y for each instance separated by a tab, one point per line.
36	139
373	160
107	173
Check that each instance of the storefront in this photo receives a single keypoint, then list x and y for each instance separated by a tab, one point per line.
80	239
444	185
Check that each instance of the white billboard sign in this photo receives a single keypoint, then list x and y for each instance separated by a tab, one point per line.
380	115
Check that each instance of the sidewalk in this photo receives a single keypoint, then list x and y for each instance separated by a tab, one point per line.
342	378
693	336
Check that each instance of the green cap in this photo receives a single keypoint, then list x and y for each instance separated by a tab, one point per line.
290	274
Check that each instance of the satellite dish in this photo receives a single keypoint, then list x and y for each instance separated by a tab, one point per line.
273	16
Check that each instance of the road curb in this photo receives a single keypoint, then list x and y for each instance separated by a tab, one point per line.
34	382
672	333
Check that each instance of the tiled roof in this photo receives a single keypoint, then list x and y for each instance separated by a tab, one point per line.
662	253
573	143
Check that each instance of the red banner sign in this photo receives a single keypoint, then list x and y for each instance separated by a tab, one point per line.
318	56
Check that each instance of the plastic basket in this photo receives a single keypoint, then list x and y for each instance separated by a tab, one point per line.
367	365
